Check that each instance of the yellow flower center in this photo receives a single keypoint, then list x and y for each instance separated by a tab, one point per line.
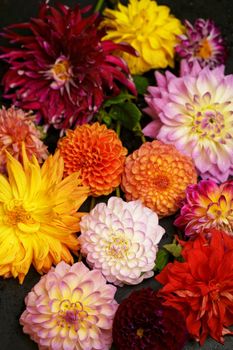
61	71
71	314
117	247
205	50
140	332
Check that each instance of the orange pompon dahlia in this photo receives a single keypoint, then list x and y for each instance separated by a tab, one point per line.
16	127
97	153
158	175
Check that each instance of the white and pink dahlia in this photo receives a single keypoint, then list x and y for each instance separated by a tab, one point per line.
121	240
194	112
70	308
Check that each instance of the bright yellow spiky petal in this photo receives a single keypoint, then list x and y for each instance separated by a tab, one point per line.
38	215
149	28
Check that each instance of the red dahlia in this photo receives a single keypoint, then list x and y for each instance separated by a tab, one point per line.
202	287
61	68
143	323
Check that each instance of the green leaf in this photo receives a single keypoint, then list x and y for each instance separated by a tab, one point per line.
127	114
161	259
174	249
141	84
122	97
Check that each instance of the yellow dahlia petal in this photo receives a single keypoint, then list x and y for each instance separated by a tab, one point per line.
148	23
38	219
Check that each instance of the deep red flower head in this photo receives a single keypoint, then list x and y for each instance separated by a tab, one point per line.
61	68
143	322
202	287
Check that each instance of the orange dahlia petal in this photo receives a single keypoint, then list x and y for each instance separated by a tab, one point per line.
158	175
97	153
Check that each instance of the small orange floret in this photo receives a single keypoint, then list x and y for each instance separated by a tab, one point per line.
158	175
97	153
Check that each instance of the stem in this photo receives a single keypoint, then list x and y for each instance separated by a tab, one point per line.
143	138
118	193
118	128
80	257
92	203
98	5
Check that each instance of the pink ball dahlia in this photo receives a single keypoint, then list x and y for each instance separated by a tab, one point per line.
207	206
202	42
61	68
120	239
194	112
17	127
70	308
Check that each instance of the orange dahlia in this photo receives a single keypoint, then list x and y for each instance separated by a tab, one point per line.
158	175
97	153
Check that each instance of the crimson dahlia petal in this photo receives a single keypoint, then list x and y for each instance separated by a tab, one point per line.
61	68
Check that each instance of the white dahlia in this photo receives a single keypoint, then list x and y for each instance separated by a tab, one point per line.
121	239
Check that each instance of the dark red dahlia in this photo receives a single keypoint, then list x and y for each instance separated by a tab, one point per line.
143	323
62	69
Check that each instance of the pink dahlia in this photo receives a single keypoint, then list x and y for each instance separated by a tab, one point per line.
61	68
195	113
207	206
202	42
121	240
70	308
17	127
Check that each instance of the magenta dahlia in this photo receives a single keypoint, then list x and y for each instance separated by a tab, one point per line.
61	68
202	42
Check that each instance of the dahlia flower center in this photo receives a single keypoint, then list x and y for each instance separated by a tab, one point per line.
161	182
204	50
16	214
61	71
209	122
117	247
71	314
140	332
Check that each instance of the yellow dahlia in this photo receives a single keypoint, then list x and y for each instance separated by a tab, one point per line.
97	153
158	175
38	218
148	28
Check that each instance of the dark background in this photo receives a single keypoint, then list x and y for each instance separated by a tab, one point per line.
11	293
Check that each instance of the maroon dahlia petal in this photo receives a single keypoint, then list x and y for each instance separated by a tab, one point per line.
142	322
61	68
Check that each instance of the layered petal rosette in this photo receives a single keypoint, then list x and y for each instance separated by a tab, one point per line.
70	308
121	240
38	215
201	287
206	206
149	28
17	127
202	42
194	112
143	322
158	175
61	68
97	154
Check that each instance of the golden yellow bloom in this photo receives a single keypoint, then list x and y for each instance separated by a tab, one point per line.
38	218
149	28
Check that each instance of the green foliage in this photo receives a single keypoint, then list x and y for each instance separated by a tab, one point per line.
141	84
162	259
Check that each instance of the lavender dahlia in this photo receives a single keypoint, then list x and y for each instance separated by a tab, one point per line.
143	323
62	69
70	308
194	112
202	42
121	240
